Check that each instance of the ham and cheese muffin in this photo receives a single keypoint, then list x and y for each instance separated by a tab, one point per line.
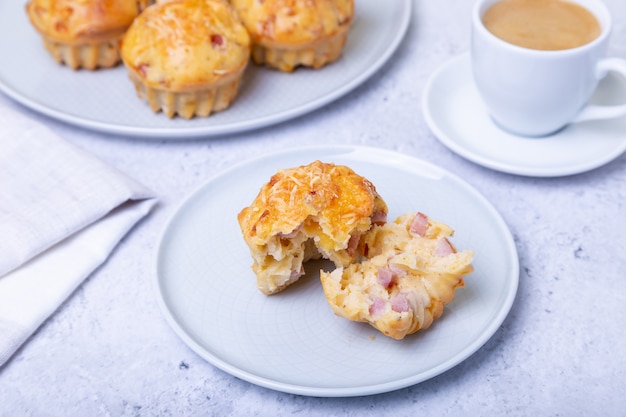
187	57
411	272
289	33
312	211
84	33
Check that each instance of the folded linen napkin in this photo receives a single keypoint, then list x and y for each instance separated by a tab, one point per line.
62	212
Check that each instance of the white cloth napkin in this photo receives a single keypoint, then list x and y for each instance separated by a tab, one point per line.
62	212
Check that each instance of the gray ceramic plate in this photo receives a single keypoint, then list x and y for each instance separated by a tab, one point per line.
291	341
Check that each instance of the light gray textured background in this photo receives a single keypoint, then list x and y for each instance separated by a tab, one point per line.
108	350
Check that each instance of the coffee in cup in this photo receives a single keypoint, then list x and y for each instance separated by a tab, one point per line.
549	25
535	70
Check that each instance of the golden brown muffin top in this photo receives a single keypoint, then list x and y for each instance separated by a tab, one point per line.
294	22
82	21
185	44
330	197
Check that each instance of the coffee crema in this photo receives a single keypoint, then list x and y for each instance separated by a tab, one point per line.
542	24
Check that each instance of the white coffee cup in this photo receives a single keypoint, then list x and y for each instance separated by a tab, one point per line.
533	92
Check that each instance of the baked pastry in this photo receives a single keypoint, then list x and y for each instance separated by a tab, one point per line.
84	33
411	272
187	57
289	33
308	212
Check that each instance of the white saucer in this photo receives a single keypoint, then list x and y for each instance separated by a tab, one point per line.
455	113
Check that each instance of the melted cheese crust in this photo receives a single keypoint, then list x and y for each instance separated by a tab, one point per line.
82	21
330	198
294	22
186	44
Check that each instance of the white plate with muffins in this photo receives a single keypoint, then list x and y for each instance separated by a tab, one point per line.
292	341
105	99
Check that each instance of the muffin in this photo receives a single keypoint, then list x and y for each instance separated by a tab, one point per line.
187	57
290	33
320	210
84	33
412	270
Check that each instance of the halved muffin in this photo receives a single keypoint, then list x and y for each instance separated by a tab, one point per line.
84	33
290	33
412	271
187	57
319	210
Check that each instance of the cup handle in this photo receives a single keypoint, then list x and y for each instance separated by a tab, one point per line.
595	112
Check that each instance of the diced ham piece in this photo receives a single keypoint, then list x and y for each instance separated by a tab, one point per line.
379	217
353	244
142	69
377	306
266	28
217	40
399	303
386	277
443	248
419	225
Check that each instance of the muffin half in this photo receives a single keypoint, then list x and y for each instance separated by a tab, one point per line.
320	210
412	270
